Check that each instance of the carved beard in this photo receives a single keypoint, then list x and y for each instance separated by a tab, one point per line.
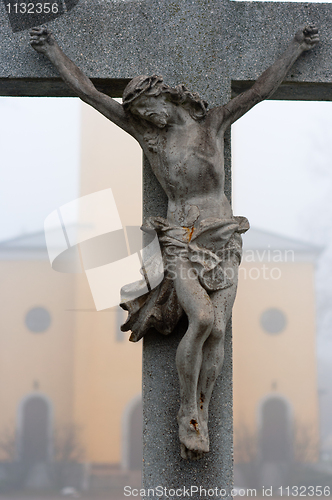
151	139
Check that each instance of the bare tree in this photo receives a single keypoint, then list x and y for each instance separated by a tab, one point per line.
8	443
68	451
245	444
67	444
305	443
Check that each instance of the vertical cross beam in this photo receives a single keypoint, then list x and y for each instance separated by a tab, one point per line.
162	464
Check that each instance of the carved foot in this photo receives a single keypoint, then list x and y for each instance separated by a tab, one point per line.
204	430
203	417
194	443
190	454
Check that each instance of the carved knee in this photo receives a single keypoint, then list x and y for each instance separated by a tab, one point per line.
218	331
204	319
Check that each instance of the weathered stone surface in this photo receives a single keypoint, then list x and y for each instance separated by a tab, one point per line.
202	44
210	46
163	464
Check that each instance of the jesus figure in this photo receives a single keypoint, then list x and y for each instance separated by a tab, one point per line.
200	239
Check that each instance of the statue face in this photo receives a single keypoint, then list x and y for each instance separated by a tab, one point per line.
154	109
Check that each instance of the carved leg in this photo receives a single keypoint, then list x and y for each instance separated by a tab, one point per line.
213	358
213	350
199	309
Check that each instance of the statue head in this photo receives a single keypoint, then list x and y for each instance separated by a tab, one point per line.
153	86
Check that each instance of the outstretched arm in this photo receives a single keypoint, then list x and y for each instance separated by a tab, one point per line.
269	81
42	41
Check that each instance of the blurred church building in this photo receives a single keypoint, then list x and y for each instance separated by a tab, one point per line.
70	385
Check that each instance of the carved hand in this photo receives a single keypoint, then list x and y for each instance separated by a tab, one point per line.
41	39
307	37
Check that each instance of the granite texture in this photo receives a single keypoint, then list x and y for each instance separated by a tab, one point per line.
162	464
215	47
206	44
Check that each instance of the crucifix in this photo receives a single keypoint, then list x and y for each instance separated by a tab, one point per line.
213	57
200	238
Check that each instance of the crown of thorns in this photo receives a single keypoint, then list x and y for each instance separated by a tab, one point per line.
153	85
138	86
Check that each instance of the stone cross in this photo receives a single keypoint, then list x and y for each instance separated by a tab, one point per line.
216	48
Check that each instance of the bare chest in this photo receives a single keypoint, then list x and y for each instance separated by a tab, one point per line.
190	159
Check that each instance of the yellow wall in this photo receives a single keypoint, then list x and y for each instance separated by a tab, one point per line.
107	377
107	372
281	364
110	158
26	357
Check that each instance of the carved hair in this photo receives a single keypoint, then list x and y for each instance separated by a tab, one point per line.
154	86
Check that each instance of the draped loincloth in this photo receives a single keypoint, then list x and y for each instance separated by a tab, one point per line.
208	247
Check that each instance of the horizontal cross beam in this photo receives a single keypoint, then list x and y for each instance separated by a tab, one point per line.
205	45
55	87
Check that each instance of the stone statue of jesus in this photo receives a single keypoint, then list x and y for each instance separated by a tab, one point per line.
200	239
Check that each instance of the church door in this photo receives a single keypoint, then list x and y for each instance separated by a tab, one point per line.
35	431
275	431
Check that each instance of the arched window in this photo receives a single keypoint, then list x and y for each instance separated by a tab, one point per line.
35	433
